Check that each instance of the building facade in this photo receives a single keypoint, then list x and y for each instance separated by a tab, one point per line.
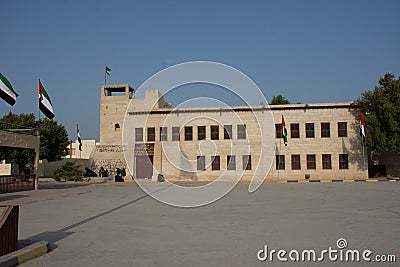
148	137
87	150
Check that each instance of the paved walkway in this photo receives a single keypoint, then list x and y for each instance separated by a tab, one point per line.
118	225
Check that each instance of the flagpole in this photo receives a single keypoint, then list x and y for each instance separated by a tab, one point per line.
37	157
363	154
39	103
362	134
279	155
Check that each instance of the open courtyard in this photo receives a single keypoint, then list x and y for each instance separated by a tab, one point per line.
109	224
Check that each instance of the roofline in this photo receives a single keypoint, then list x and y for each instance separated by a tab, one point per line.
116	86
336	105
315	106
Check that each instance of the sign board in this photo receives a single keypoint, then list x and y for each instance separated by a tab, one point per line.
145	149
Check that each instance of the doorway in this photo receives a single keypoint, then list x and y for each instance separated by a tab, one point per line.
144	167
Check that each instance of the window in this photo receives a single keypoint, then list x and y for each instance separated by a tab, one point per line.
201	132
294	130
280	162
139	134
310	130
227	131
342	129
325	129
188	133
214	132
343	161
296	162
241	131
215	163
278	130
326	161
117	127
163	134
231	162
246	160
151	134
201	163
175	133
311	163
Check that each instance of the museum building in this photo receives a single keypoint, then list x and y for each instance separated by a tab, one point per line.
147	136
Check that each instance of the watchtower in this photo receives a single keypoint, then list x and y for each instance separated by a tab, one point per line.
114	100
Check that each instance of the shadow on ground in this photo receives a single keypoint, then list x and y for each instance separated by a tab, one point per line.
12	197
61	185
55	236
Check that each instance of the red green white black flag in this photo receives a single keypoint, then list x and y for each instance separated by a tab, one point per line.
44	102
284	131
79	138
6	91
108	70
362	127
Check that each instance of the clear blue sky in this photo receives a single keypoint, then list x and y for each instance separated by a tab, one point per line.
308	51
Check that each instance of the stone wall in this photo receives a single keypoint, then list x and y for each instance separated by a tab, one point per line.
177	159
112	112
109	157
46	168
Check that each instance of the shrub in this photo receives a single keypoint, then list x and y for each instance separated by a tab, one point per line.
68	172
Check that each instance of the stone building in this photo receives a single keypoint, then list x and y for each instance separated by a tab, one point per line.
147	137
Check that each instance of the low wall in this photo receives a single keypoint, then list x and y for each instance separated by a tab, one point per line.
392	162
109	157
46	168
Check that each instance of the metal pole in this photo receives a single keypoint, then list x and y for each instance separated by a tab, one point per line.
37	153
363	157
36	160
279	155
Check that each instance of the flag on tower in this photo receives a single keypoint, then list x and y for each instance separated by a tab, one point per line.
284	131
6	91
79	138
45	103
108	70
362	127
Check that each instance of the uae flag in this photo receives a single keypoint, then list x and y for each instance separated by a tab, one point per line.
362	127
284	131
6	91
108	70
45	103
79	138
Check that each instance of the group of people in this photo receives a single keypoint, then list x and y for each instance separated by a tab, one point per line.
103	172
120	174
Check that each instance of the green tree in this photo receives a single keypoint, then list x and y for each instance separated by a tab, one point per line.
381	109
53	139
279	100
68	172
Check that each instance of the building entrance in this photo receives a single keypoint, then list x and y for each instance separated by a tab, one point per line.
144	167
